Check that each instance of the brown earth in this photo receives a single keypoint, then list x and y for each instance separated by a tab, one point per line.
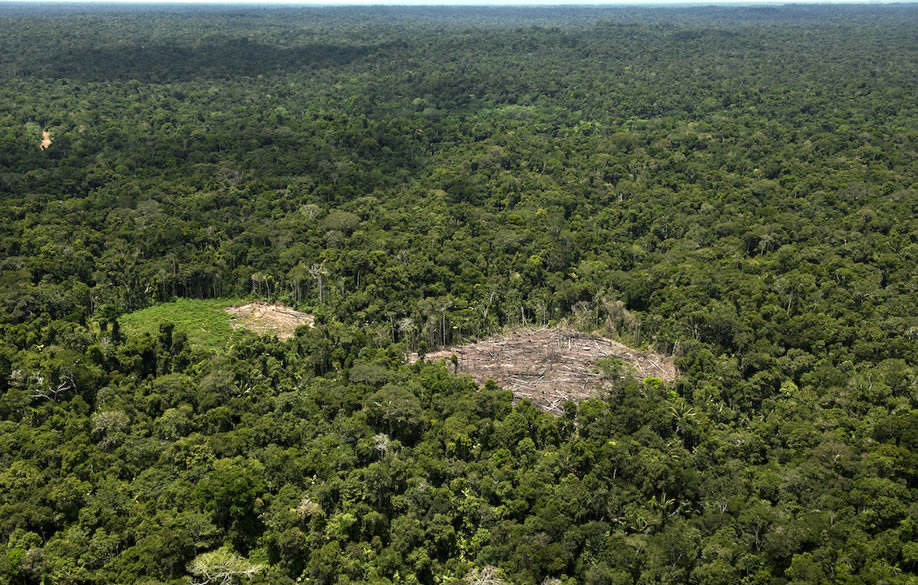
550	366
265	319
45	140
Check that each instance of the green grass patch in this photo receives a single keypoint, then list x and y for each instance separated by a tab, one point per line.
204	321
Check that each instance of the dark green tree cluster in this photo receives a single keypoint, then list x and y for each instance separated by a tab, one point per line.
735	186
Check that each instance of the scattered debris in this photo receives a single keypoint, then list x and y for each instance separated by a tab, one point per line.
265	319
549	366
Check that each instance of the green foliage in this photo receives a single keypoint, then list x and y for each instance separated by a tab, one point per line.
735	186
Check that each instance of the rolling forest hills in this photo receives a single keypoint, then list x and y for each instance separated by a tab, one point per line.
736	187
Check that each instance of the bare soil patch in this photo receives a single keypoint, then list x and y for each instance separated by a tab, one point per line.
265	319
45	140
549	366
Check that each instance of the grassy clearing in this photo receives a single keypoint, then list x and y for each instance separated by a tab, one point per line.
205	322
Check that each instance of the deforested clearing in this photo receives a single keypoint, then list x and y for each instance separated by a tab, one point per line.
549	366
269	319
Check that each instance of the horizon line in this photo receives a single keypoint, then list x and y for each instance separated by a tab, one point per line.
467	3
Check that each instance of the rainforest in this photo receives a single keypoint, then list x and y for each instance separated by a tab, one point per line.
439	295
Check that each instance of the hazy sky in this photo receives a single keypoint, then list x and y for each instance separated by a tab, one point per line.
460	2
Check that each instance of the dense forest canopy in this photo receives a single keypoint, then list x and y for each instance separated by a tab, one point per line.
734	186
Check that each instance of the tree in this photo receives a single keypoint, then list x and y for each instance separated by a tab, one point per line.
319	272
398	408
222	567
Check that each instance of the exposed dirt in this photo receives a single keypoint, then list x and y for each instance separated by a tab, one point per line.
549	366
265	319
45	140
